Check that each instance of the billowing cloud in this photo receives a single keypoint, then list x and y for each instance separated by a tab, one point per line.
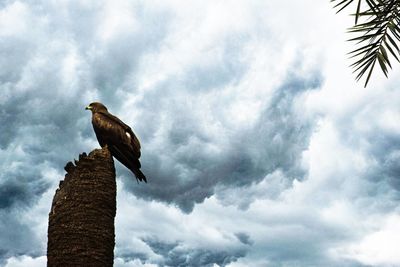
259	147
22	261
176	255
189	161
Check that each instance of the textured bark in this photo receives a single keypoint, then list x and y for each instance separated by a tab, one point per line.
81	220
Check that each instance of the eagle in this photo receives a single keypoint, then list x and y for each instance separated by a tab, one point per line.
118	137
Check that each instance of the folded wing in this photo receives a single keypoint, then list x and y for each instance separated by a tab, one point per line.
120	139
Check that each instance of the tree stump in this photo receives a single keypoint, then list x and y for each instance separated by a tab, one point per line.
81	221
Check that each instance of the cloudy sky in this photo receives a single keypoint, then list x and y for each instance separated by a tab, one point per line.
259	146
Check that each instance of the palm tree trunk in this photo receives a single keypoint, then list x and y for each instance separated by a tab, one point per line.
81	220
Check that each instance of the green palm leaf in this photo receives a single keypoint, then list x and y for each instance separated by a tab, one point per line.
377	36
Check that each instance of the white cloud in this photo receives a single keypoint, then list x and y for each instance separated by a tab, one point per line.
246	108
118	262
23	261
378	248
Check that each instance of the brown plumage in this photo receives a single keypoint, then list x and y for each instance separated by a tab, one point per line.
118	137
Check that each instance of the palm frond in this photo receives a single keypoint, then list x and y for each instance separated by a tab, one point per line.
377	37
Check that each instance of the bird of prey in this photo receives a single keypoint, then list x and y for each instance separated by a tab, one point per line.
118	137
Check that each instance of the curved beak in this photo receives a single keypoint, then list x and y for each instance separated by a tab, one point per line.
88	108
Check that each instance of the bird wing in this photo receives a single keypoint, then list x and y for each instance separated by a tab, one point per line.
119	132
122	142
110	131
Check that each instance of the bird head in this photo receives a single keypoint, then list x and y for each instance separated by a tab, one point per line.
96	107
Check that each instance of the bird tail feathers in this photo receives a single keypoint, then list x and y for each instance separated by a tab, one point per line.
139	175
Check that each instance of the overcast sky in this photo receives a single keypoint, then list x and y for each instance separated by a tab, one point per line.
259	147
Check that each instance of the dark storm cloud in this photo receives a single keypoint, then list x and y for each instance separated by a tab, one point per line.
129	256
57	62
379	188
17	237
244	238
183	171
385	149
17	51
301	238
42	96
20	191
174	254
368	131
46	119
42	134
